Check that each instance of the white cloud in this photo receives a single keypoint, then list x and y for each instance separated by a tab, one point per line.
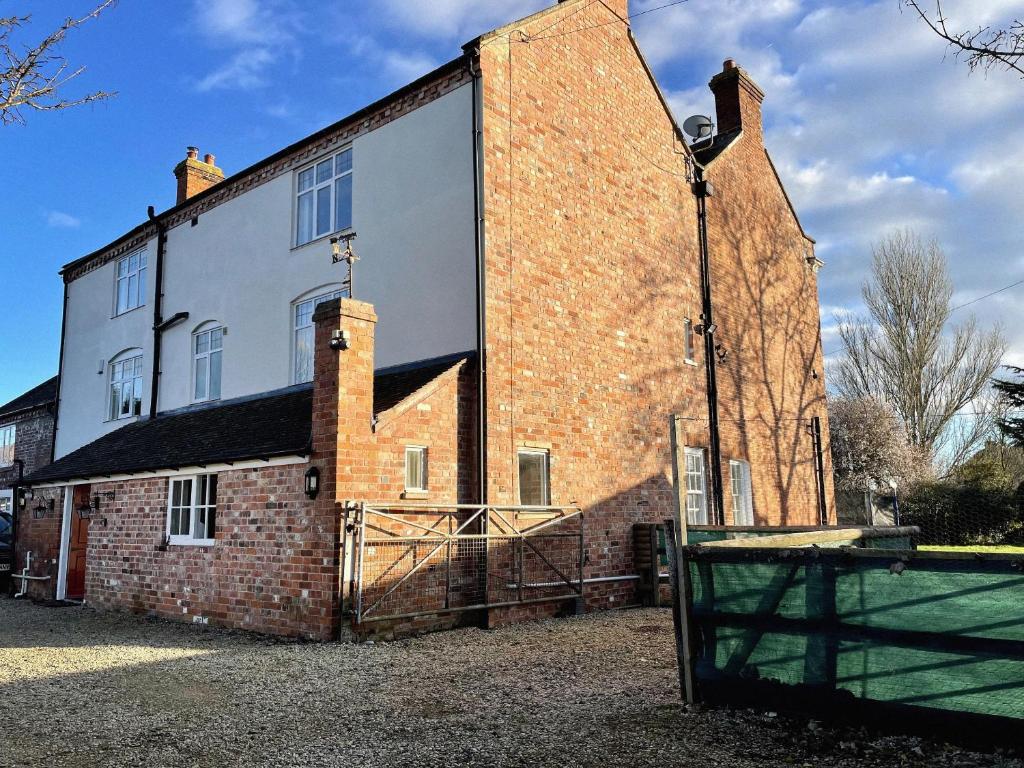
61	220
458	19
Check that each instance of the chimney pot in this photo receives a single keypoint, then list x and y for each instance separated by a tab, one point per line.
192	152
209	159
728	64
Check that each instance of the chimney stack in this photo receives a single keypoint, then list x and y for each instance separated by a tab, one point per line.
737	100
195	175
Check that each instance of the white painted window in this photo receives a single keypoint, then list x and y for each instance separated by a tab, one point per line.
125	385
415	468
688	345
207	358
742	495
534	478
324	197
130	289
304	334
696	488
7	435
192	510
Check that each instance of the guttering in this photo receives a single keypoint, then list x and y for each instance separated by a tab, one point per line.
158	301
481	274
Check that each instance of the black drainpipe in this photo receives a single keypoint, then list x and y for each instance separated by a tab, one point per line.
158	300
481	278
702	190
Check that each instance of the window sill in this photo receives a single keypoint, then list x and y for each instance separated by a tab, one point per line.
416	495
327	236
123	420
690	362
127	312
192	543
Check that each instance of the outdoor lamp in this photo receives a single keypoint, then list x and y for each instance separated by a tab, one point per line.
312	482
84	511
39	510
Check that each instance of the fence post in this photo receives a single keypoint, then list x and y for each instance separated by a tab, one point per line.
679	574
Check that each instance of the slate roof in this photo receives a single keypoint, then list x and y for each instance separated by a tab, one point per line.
44	394
709	151
276	424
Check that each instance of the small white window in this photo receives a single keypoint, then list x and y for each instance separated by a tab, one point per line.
125	386
192	510
688	340
415	468
534	478
324	198
304	334
742	496
696	488
7	435
130	288
207	352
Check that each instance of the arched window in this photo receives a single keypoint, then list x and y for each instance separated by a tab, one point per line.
303	332
125	382
207	361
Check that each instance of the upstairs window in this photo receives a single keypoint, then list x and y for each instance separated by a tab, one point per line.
304	334
696	488
324	198
415	468
207	352
131	282
534	478
7	435
742	496
192	510
688	340
126	385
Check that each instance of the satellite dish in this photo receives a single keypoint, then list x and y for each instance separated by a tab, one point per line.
698	126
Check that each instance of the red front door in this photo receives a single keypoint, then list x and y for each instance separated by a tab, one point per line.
77	543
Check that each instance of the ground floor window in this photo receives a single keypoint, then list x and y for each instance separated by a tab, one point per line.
415	468
192	510
534	478
742	496
696	488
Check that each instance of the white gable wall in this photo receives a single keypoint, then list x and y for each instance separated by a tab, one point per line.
413	210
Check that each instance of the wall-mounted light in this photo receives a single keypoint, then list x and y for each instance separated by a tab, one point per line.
39	510
700	329
312	482
84	511
340	340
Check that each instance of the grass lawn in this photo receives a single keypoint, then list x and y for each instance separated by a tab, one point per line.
992	550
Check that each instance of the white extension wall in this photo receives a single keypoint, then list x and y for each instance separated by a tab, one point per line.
413	210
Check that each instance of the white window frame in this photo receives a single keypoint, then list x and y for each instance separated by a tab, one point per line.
135	380
8	437
314	186
125	277
696	487
417	453
545	476
205	361
742	492
307	328
196	509
689	342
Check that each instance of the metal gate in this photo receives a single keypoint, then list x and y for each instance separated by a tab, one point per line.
405	561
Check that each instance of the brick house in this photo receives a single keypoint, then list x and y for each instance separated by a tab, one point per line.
26	445
527	315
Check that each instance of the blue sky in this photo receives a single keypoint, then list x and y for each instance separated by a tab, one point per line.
871	124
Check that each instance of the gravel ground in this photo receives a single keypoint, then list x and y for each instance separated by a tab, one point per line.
78	688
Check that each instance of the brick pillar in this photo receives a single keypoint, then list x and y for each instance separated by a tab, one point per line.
344	446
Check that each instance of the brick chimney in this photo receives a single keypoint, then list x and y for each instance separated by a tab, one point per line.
195	175
737	100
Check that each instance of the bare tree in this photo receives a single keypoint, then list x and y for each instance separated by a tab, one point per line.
903	355
870	447
983	47
33	76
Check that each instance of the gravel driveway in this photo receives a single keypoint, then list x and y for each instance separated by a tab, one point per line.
79	688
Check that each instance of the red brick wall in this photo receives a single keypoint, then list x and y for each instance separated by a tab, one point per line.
41	537
33	442
592	266
272	569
